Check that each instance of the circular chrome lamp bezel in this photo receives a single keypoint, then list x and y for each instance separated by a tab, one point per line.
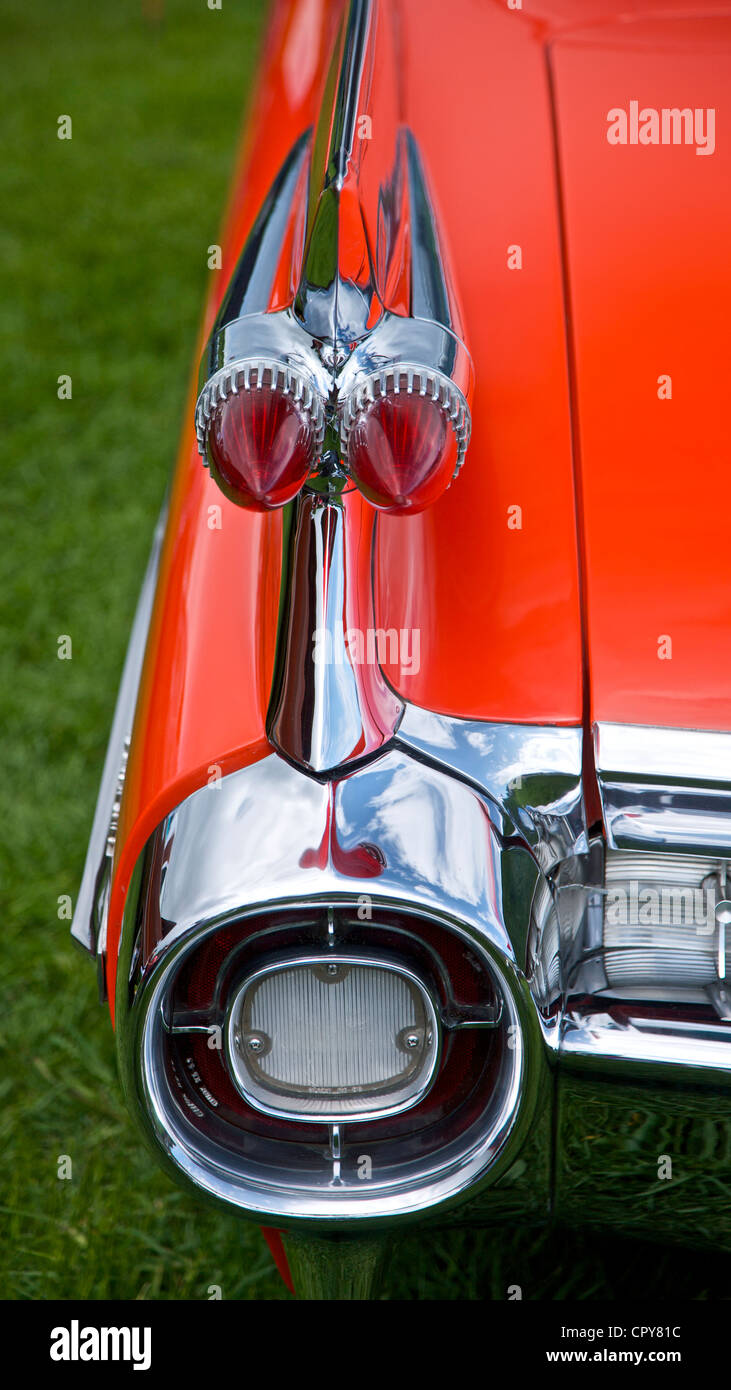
263	374
405	378
396	1191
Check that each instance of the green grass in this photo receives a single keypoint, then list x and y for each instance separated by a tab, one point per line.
104	243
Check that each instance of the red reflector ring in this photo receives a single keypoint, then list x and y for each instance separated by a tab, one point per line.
259	426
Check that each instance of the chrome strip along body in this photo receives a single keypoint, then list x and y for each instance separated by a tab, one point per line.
330	703
90	914
665	788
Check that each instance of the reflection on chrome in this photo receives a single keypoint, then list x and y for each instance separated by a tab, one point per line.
329	708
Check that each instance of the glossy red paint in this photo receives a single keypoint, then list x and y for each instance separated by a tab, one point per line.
205	683
493	589
648	231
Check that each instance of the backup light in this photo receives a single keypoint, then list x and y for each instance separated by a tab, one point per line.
667	924
332	1038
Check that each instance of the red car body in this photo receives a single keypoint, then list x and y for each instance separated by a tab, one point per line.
574	577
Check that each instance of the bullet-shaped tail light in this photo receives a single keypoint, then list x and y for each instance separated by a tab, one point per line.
259	427
404	433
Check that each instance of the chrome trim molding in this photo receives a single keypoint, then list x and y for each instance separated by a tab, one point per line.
639	752
664	788
332	1270
329	304
643	1046
531	775
90	914
394	830
329	706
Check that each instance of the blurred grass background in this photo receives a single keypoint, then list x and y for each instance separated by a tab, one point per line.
104	243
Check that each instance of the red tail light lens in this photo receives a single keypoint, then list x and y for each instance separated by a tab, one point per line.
260	448
260	427
402	453
406	435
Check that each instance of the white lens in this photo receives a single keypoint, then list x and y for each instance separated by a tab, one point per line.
661	928
332	1038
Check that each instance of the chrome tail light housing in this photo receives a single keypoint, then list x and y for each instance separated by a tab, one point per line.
337	1138
365	1047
